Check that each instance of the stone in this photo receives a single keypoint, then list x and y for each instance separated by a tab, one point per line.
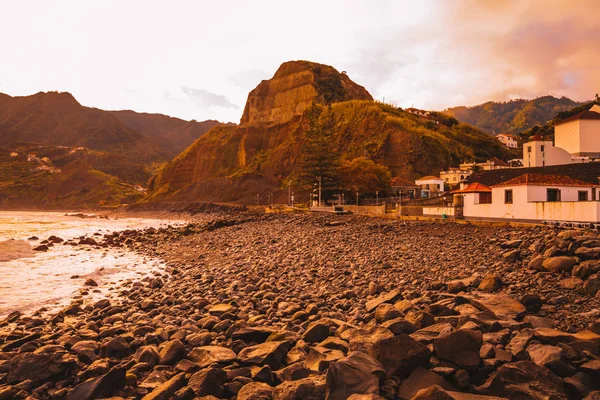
386	312
319	358
523	379
590	287
532	302
171	352
400	355
388	297
420	319
90	282
148	355
433	392
359	373
490	283
256	391
421	378
559	264
41	247
586	253
460	347
269	353
208	355
252	334
167	390
116	347
364	337
311	388
38	368
570	283
103	386
399	326
208	382
501	305
519	342
316	332
536	263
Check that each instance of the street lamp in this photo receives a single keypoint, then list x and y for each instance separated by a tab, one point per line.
357	203
377	197
319	191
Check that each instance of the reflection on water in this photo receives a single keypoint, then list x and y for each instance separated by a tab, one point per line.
31	280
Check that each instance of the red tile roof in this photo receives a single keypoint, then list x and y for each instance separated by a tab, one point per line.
474	187
581	115
397	181
544	180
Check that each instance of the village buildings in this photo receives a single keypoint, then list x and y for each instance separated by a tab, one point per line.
508	140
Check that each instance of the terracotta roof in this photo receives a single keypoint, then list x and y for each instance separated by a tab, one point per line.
544	180
581	115
587	172
498	161
430	177
397	181
474	187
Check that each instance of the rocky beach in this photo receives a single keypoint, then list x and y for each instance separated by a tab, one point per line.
309	306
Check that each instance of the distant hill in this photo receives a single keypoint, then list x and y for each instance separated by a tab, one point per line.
172	134
261	155
514	116
57	119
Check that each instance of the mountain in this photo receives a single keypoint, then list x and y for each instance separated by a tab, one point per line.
513	116
261	155
57	119
173	135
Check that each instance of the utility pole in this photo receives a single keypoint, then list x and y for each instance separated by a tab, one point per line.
377	197
289	193
319	191
356	203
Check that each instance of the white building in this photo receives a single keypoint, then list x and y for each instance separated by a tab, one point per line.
538	197
580	134
493	163
455	175
508	140
538	153
430	185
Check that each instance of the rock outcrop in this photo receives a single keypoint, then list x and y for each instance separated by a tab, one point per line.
294	87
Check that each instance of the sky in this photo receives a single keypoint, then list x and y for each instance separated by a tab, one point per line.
199	59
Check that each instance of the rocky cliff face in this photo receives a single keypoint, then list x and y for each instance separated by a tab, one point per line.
294	87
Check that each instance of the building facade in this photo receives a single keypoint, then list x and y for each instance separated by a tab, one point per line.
430	185
508	140
580	134
455	175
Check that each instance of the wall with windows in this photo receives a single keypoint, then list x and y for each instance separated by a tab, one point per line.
531	203
543	153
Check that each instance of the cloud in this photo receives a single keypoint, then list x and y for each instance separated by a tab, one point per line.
206	99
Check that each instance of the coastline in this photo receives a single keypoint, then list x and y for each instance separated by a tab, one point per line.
306	292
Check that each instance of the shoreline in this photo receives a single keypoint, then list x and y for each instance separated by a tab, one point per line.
322	288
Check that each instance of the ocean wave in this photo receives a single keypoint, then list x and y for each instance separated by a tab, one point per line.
14	249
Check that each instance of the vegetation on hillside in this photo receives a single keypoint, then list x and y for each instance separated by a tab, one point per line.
514	116
271	157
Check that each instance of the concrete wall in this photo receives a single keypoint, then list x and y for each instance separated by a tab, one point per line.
529	203
411	211
450	212
550	156
376	210
566	136
590	136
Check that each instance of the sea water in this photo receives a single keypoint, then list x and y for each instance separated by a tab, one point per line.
30	280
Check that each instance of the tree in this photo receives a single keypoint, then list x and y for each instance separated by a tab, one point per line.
364	176
319	157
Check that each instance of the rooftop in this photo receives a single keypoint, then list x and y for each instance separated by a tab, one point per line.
429	178
581	115
474	187
586	172
544	180
397	181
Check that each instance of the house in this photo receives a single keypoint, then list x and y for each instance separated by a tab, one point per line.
493	163
541	153
508	140
580	134
405	188
532	196
455	175
430	185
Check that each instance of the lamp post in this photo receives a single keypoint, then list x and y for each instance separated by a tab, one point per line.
319	191
377	197
357	203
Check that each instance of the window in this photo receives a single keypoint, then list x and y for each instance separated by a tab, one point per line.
485	198
582	195
462	177
552	194
529	149
508	196
542	148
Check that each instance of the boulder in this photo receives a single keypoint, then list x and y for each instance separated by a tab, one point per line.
208	382
586	253
172	352
363	338
103	386
38	368
208	355
167	390
388	297
386	312
400	355
358	373
460	347
433	392
116	347
268	353
319	358
559	264
421	378
490	283
524	379
311	388
316	332
399	326
256	391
